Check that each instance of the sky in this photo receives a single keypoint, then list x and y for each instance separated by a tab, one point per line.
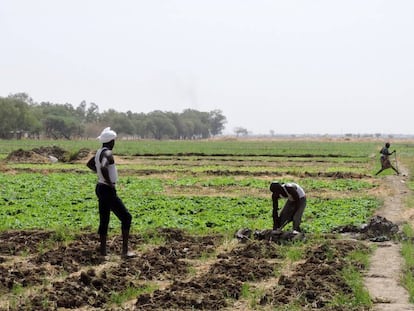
287	67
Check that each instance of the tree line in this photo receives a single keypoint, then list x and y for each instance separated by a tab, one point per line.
21	117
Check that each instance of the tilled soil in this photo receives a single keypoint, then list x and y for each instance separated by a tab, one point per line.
189	272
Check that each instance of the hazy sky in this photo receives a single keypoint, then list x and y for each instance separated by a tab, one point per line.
319	66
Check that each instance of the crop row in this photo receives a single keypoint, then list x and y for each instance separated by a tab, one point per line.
54	200
231	147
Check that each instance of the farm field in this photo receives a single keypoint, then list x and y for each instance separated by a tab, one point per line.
187	200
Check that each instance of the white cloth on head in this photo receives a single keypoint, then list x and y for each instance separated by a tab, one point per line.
107	135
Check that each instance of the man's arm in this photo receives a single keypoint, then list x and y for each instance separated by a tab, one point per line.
275	215
107	159
91	164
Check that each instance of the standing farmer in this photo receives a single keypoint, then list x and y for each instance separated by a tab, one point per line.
294	206
103	164
385	161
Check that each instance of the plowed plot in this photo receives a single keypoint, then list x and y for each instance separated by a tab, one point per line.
315	283
186	273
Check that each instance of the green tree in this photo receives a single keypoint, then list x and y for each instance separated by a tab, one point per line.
160	125
92	113
199	121
217	121
8	118
139	122
16	118
19	114
118	121
60	121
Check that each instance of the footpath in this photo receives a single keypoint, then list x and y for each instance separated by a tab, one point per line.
383	279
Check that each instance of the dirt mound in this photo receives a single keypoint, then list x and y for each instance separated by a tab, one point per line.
46	155
378	229
26	156
39	155
53	151
83	153
314	283
270	235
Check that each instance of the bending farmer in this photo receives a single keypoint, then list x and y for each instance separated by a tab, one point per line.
294	206
385	161
103	164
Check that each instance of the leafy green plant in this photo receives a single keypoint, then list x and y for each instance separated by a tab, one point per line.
324	215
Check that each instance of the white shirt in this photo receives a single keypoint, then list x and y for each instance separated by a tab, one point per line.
113	174
299	190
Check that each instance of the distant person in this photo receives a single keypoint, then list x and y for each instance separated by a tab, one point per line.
294	207
384	159
103	164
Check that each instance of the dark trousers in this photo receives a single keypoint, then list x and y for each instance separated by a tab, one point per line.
291	213
109	201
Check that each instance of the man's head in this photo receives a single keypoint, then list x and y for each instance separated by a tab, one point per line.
107	137
276	187
387	145
277	190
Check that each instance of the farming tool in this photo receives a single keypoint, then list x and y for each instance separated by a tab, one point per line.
396	163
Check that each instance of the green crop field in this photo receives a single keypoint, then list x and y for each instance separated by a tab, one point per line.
200	186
